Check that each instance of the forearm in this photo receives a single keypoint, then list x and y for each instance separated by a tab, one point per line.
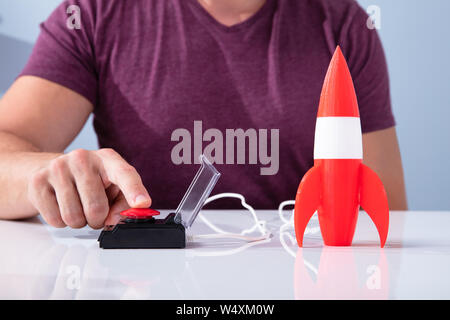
382	154
19	159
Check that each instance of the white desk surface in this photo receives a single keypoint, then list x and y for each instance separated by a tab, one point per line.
40	262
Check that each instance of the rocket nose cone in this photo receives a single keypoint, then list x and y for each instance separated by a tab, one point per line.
338	97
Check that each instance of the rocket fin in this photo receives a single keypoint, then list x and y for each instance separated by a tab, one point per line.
374	201
306	202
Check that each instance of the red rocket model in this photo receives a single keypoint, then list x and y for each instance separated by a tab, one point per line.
339	183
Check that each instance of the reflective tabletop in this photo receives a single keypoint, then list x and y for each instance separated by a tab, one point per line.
41	262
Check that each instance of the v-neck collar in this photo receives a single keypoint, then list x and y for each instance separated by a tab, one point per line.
204	14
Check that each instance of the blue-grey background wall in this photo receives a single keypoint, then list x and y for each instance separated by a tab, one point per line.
416	38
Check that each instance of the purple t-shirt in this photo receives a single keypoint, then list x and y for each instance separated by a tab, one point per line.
168	82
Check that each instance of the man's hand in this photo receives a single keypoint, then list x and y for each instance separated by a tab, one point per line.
38	120
86	187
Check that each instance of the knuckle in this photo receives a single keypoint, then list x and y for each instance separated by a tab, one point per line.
65	193
58	166
78	225
96	223
126	169
107	152
75	220
38	179
54	221
135	186
80	153
87	182
96	209
80	158
95	226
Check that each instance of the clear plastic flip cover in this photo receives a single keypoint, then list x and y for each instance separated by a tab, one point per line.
199	190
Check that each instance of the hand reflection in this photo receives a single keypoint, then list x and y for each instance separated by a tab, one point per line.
46	263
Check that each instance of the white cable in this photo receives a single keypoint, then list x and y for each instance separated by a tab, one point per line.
289	250
290	221
280	211
285	234
259	224
229	235
198	253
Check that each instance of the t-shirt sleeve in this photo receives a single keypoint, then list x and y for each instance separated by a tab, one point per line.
65	55
367	63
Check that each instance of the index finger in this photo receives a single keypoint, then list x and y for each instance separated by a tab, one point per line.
119	172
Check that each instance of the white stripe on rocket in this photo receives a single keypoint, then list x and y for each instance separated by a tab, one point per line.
338	138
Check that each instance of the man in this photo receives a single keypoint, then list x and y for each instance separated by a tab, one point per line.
147	69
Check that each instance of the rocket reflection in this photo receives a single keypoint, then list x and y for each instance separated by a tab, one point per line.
324	272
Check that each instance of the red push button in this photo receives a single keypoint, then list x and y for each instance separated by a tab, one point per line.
139	213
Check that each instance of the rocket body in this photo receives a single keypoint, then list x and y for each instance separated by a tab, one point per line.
338	210
339	183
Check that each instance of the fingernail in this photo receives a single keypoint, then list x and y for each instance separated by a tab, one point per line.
140	199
